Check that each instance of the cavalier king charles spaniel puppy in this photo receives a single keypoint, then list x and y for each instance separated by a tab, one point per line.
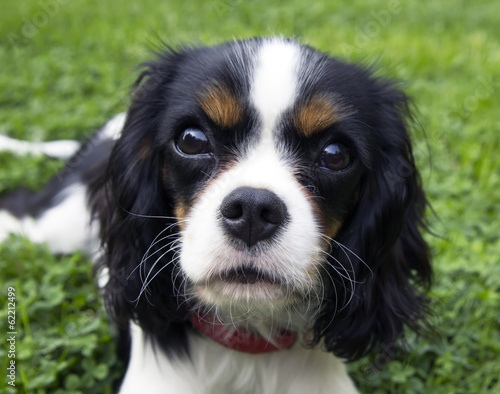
256	218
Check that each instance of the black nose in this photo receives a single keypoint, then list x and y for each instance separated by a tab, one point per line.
252	215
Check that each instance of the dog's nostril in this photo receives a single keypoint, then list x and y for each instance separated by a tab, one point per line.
252	214
275	215
232	211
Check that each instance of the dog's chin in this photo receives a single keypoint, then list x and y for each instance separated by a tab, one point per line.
221	293
247	289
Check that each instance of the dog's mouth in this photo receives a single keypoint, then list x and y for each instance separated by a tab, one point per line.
242	285
247	275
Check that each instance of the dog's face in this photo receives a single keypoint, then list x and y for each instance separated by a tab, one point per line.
266	171
285	181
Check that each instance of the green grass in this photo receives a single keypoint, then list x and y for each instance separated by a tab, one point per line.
66	67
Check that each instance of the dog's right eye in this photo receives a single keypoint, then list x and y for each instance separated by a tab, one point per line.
335	157
193	141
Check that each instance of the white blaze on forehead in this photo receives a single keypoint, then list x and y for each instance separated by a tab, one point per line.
275	81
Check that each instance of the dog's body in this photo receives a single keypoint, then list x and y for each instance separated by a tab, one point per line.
59	215
257	208
215	369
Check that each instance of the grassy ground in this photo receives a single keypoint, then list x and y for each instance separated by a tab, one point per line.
65	69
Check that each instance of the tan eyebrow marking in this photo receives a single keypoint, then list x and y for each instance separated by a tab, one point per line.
221	106
316	114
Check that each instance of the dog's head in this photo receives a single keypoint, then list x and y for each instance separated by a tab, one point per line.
262	179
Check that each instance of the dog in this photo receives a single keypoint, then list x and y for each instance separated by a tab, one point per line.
256	218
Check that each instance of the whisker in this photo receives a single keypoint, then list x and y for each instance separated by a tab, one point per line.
336	304
144	257
153	243
177	219
172	248
345	249
149	280
347	272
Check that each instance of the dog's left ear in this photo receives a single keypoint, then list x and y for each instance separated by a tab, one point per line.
136	213
383	254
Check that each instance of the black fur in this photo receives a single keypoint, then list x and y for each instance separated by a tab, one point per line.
126	201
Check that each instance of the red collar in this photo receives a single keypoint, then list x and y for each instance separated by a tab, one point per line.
240	340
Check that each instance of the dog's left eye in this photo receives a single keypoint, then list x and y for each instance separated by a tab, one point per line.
335	157
193	141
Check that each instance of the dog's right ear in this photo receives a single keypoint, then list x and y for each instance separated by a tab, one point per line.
135	211
391	263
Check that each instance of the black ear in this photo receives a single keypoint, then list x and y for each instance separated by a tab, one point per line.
383	250
135	211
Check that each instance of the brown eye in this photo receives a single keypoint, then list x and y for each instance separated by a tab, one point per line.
335	157
193	141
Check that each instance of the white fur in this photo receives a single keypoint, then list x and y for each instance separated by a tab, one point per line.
213	369
113	128
65	227
275	81
57	149
62	149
